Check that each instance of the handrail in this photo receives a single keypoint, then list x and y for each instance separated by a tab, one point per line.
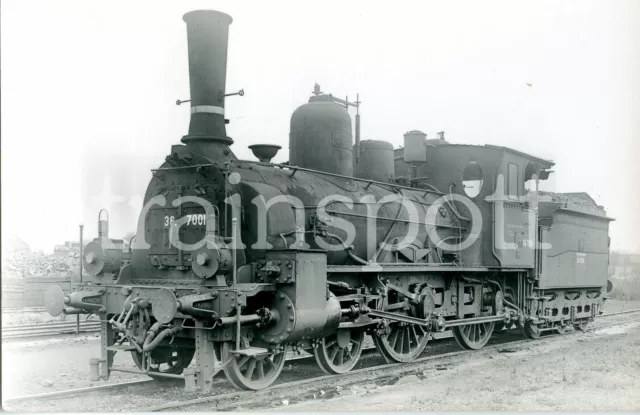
295	168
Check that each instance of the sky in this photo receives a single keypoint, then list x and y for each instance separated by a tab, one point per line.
89	91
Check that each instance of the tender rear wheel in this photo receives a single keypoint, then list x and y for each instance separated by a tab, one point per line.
473	336
339	352
581	325
531	331
251	372
403	343
165	359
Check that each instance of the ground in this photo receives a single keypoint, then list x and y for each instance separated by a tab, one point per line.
30	316
601	372
47	365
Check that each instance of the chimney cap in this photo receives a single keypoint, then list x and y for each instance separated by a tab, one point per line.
194	15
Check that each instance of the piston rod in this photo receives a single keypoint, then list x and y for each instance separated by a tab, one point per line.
473	320
429	322
248	318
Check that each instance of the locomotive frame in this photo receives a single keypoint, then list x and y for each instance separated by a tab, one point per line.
236	262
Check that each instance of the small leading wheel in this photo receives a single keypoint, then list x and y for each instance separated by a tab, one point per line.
164	359
473	336
581	325
251	372
404	343
339	352
531	331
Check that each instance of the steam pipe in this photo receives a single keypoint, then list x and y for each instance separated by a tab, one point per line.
151	342
151	334
234	230
348	250
453	207
357	145
81	228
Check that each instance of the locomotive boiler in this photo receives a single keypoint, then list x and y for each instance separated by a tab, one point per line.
237	262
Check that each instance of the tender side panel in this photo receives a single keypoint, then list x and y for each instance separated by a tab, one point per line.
579	252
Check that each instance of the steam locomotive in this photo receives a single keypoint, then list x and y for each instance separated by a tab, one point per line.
238	262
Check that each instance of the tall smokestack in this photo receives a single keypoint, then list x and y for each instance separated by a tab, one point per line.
207	36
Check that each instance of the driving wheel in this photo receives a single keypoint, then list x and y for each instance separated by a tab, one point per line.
403	343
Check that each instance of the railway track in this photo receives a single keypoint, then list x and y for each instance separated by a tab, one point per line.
24	310
307	387
49	329
92	326
382	374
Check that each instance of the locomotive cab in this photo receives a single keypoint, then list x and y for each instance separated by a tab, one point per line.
490	181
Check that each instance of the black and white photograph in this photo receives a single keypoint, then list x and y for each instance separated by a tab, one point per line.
337	206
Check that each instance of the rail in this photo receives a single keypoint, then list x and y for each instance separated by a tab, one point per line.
49	329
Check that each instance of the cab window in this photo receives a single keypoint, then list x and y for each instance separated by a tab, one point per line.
472	179
530	178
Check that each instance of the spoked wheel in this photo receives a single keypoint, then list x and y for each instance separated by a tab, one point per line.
251	372
339	352
164	359
473	336
581	325
404	342
531	331
562	329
